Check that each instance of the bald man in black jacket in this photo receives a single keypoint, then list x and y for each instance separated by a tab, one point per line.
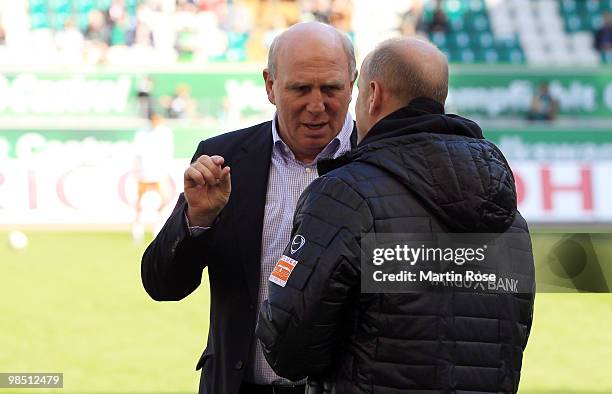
416	170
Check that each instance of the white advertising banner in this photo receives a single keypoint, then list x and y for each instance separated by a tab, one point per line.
570	191
65	192
62	191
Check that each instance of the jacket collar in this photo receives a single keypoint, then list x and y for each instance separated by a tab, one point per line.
417	107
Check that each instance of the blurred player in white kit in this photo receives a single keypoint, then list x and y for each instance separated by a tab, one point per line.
154	148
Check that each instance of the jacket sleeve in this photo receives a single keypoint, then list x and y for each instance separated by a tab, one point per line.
300	325
172	264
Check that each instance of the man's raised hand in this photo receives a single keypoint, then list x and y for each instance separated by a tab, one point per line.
207	187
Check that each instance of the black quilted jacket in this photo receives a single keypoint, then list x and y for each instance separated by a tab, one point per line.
417	171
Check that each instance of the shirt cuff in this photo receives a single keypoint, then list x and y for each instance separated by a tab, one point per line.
194	231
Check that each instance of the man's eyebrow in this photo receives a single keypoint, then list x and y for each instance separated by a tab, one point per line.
297	84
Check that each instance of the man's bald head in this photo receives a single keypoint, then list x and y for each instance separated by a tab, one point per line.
318	34
408	68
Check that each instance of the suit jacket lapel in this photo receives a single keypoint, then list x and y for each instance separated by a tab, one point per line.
249	185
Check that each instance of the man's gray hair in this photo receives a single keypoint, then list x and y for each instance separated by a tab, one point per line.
347	46
407	79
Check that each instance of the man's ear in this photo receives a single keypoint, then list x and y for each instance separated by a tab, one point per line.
375	98
269	81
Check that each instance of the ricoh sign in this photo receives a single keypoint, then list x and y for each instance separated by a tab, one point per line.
104	192
564	192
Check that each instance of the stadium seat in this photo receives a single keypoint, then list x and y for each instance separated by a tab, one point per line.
84	6
60	6
573	23
485	40
476	6
595	22
569	6
487	56
58	19
83	20
103	4
594	6
439	39
468	56
39	20
38	6
477	22
456	24
462	40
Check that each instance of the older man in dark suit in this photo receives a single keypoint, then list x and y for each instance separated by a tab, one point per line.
240	193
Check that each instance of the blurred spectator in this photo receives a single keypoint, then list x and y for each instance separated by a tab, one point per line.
70	42
341	16
154	148
603	36
188	30
278	25
116	11
2	33
212	41
238	25
543	105
141	35
412	19
121	32
216	6
186	43
144	94
316	10
97	36
98	30
186	5
181	105
439	20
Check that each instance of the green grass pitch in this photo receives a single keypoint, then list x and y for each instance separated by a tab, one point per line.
73	302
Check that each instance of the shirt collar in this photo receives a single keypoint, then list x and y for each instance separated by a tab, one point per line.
340	144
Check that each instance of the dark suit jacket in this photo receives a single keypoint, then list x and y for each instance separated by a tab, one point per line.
172	264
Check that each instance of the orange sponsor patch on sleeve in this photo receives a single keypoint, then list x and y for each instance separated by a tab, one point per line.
282	270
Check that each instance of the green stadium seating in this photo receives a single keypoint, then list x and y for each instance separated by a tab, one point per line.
584	14
470	39
54	13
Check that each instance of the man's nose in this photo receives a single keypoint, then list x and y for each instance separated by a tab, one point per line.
316	104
